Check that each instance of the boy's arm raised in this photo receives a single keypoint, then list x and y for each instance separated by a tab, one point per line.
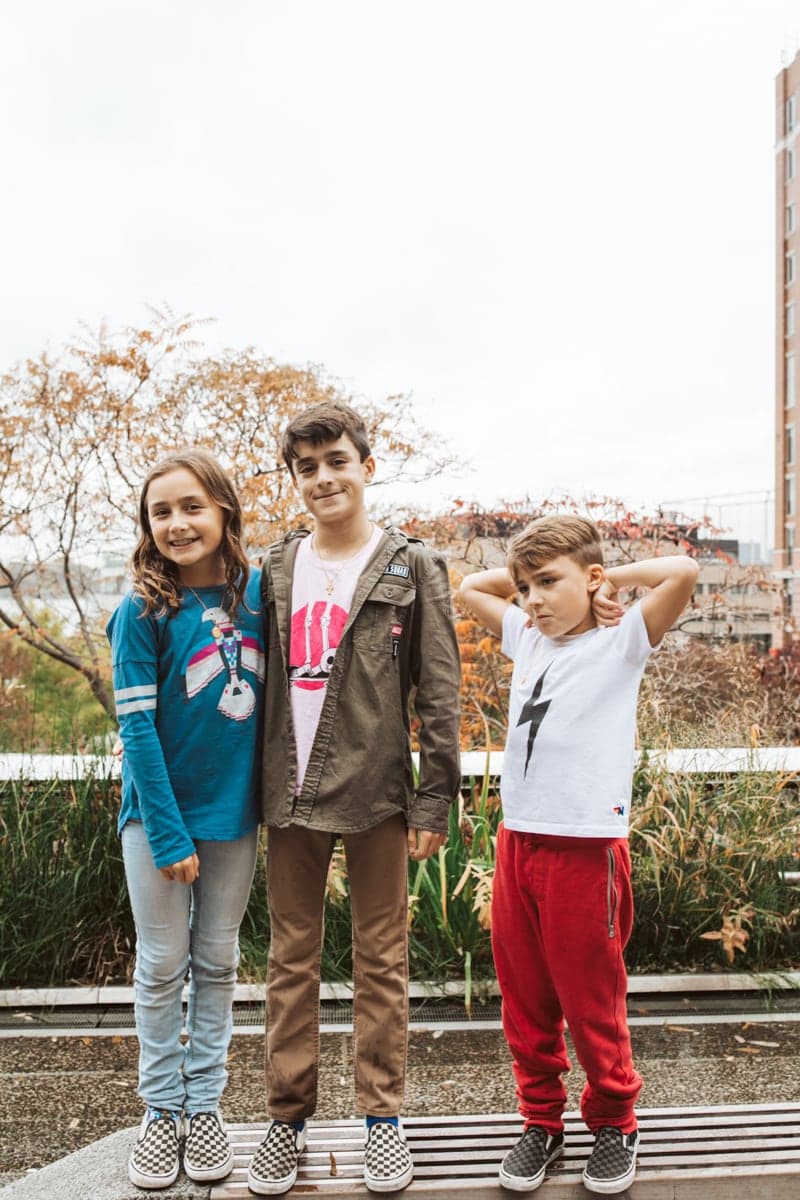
671	581
488	594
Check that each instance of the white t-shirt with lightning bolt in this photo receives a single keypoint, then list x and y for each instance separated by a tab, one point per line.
569	756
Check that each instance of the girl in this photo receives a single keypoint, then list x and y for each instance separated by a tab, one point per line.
188	669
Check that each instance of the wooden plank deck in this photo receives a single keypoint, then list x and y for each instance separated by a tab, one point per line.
730	1152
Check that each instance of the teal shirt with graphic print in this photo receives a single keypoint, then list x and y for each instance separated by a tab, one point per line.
189	695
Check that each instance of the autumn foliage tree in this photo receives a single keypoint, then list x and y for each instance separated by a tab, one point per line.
693	693
80	430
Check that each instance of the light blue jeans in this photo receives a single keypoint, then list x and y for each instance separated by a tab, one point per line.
184	928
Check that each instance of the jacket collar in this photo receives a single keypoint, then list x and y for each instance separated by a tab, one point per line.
282	557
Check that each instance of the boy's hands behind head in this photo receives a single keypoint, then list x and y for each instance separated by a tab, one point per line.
606	610
422	843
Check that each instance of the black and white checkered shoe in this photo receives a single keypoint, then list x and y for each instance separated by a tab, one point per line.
207	1153
387	1161
273	1168
612	1163
155	1159
523	1168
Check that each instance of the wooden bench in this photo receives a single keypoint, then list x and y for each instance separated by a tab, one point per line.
730	1152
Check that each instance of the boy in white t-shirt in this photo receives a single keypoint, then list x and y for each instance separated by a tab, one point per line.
562	906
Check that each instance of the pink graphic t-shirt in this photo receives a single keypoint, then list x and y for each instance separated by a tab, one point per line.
322	592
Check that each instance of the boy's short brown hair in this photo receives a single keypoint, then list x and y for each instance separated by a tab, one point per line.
324	422
550	537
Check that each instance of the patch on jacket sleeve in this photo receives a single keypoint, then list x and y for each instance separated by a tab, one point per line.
398	569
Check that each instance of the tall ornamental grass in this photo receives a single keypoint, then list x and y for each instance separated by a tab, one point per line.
708	853
64	915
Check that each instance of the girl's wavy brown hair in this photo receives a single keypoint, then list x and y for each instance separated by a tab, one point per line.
155	578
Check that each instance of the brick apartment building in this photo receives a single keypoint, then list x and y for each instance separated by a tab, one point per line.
787	342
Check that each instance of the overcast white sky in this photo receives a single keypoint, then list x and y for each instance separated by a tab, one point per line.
552	223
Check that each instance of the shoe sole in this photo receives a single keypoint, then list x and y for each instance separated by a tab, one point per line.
520	1183
271	1187
209	1174
610	1187
152	1182
395	1184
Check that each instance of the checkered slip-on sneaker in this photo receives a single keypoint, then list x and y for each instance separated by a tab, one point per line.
612	1163
155	1159
273	1168
523	1168
207	1153
387	1161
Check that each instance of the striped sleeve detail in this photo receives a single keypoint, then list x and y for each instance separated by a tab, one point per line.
136	699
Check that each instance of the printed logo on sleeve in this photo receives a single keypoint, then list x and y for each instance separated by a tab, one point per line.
400	570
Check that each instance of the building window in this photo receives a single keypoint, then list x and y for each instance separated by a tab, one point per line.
789	381
789	541
789	444
789	273
791	114
789	327
788	510
789	220
789	161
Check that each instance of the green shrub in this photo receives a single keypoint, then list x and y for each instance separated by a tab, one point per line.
707	855
64	914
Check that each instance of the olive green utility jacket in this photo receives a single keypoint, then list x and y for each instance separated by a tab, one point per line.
399	637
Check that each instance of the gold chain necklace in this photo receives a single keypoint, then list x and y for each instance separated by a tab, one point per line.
330	578
332	573
215	629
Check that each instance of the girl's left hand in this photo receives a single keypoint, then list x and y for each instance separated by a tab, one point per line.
185	871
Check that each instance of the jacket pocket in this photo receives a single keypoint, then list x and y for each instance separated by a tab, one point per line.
384	617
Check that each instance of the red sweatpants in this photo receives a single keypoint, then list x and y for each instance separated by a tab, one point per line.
562	911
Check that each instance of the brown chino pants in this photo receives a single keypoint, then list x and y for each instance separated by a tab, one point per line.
377	867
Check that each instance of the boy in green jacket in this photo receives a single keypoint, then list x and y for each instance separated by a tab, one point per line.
355	618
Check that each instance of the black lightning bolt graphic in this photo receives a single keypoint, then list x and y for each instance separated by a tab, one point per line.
533	712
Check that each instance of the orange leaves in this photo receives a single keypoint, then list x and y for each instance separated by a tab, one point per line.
482	879
732	936
80	430
485	676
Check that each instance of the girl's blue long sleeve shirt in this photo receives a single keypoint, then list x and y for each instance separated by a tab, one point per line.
189	695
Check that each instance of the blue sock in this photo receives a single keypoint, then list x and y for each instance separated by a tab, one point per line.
154	1113
298	1125
382	1121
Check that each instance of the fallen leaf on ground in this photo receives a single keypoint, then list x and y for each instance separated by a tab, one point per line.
334	1168
682	1029
748	1050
